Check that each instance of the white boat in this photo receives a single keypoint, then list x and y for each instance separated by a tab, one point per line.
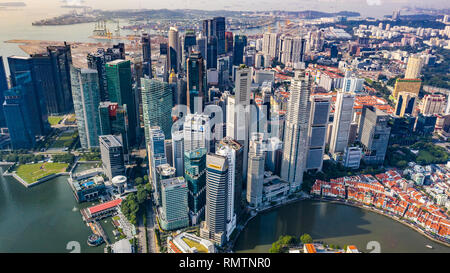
428	246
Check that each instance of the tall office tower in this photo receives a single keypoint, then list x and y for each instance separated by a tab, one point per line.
433	104
296	130
86	99
219	23
223	69
111	151
274	149
197	132
173	213
21	113
195	175
233	151
318	122
113	121
61	60
189	40
405	104
156	151
202	42
255	176
343	116
98	61
42	80
156	106
174	50
241	112
208	27
407	85
178	152
285	52
118	76
228	42
231	123
214	226
413	68
270	44
374	134
50	73
211	52
240	42
146	55
259	60
169	153
3	88
162	172
196	83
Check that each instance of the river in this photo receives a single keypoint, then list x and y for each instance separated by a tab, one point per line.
334	224
43	218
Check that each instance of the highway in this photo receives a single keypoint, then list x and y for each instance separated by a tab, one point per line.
151	225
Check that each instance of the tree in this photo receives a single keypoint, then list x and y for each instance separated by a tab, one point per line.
306	239
276	248
138	181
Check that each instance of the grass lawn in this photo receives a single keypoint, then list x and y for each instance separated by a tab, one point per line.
32	172
64	140
54	120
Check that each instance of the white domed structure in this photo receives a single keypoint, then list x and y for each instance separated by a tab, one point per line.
120	182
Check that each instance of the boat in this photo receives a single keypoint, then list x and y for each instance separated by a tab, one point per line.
94	240
429	246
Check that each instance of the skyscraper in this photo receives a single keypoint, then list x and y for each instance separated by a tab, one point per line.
405	104
433	104
195	175
174	204
196	86
162	172
318	123
86	99
214	226
114	121
3	88
21	113
156	152
343	116
112	156
228	42
174	50
146	54
157	105
233	151
211	52
413	68
178	152
240	42
98	61
241	112
255	176
118	76
374	134
219	23
196	132
296	130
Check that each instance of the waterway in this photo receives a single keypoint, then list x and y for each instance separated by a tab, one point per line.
44	218
334	224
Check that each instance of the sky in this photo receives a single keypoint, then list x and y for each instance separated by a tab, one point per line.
373	8
323	5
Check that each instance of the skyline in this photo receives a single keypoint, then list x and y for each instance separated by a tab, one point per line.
365	7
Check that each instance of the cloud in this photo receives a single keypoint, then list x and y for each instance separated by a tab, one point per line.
374	2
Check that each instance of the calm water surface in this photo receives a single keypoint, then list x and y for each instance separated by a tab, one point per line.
333	224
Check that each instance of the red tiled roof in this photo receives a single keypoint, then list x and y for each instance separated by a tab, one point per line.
104	206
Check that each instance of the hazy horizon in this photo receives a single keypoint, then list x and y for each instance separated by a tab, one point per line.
365	7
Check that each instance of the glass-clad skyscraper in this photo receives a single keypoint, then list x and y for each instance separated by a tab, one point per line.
86	99
195	175
156	106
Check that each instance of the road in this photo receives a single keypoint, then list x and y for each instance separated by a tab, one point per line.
151	225
142	246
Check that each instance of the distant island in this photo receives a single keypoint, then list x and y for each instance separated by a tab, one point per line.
12	4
